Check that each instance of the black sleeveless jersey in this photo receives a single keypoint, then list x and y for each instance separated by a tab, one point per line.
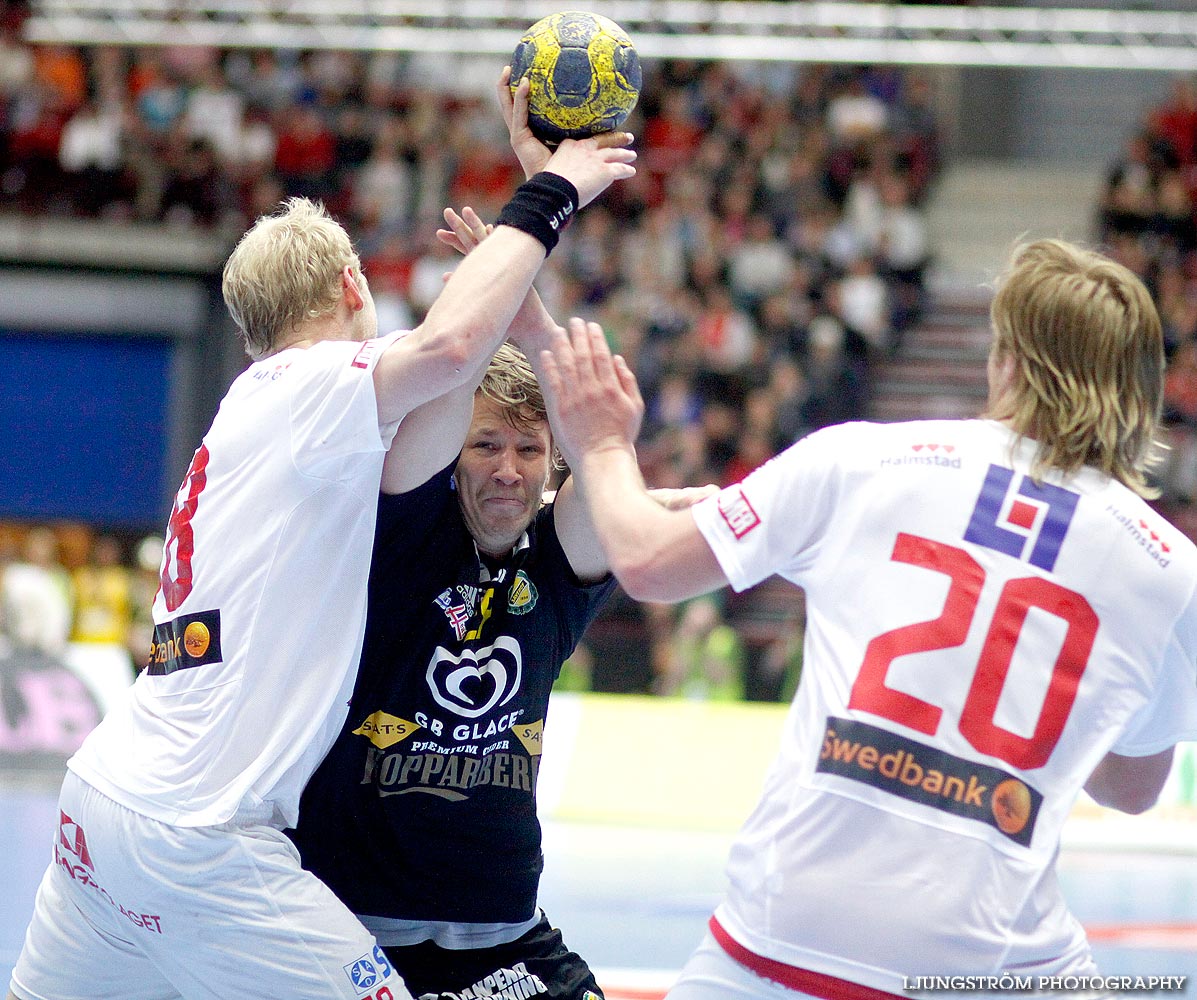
425	807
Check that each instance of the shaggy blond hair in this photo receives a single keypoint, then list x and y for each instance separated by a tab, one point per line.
1088	361
286	271
510	382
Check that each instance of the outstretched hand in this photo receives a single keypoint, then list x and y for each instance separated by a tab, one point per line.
593	400
532	153
465	231
589	164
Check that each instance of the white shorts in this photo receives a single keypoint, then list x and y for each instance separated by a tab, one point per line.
712	974
134	909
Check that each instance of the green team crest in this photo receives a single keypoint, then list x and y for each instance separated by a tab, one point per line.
522	597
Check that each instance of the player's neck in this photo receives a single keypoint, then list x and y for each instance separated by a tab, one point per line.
313	333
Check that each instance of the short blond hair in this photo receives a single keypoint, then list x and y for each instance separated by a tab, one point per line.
286	271
1088	361
511	383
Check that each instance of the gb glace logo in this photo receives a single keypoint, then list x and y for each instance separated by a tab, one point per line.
477	680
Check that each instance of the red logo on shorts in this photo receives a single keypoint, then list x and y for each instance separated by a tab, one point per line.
738	513
71	839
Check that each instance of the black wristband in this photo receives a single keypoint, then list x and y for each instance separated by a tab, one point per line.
542	207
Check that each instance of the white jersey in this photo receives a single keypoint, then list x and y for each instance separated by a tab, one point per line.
976	643
261	613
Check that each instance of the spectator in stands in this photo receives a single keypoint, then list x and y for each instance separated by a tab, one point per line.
382	188
216	112
1180	417
91	154
305	156
103	595
196	189
1175	120
35	592
759	266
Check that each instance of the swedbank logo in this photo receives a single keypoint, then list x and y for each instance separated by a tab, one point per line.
187	641
196	639
915	771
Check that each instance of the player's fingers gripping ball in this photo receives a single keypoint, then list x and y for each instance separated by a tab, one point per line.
583	72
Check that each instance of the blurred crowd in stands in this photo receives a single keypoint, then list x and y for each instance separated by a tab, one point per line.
1147	218
77	598
771	248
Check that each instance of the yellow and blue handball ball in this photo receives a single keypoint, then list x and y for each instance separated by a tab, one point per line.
584	75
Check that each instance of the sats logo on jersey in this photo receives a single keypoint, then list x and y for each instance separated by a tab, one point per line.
1020	517
475	681
271	373
924	774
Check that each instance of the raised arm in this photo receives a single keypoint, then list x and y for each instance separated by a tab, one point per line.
429	377
595	409
469	319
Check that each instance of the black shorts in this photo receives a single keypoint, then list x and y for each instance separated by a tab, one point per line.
536	966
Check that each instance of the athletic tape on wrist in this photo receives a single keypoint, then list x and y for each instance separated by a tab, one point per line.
542	207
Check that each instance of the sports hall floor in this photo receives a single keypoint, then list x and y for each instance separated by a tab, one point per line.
634	901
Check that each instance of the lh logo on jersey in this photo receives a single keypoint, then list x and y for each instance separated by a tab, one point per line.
475	681
1021	518
739	514
365	354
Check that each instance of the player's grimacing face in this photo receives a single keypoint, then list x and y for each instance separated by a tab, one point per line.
501	474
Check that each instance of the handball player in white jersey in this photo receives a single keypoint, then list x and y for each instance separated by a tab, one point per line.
170	874
996	620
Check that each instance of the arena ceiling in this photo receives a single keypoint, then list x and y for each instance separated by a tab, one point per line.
1063	34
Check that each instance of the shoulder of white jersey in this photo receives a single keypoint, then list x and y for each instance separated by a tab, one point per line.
861	437
329	355
364	354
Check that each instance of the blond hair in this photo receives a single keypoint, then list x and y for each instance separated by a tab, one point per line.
286	271
511	383
1088	361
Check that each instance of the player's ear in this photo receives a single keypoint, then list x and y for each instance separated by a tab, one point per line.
354	294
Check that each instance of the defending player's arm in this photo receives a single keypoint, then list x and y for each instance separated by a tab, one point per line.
1129	784
579	538
535	332
1131	776
595	408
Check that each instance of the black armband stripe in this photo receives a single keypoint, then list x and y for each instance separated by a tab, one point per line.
541	207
